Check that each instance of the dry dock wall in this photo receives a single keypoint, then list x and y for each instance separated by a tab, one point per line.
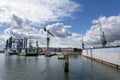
110	55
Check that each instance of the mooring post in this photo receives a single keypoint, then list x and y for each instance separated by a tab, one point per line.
117	66
66	63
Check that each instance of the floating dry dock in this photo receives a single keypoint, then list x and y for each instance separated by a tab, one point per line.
21	47
110	56
29	52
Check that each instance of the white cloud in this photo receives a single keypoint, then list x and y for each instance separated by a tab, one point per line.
20	17
36	11
62	39
111	28
59	30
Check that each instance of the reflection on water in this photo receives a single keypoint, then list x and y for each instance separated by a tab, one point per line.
45	68
66	76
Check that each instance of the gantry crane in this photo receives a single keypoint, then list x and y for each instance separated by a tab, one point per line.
102	35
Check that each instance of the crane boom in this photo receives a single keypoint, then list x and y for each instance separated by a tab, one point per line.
48	32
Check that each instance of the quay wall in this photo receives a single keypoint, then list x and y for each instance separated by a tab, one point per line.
108	55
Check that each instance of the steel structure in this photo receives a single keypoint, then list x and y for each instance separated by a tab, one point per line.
48	40
102	35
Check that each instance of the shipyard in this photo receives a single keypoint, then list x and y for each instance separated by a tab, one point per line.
59	40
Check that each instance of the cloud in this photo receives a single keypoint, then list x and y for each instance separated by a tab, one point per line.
23	32
20	17
63	37
32	34
59	30
17	21
37	11
111	28
2	41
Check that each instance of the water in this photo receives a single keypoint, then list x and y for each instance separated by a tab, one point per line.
45	68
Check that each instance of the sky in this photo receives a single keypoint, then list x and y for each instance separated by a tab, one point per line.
71	21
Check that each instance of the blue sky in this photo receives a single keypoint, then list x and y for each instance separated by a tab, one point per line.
92	9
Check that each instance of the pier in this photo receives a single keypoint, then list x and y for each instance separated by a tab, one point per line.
109	56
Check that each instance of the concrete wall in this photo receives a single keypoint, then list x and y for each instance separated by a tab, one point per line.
111	55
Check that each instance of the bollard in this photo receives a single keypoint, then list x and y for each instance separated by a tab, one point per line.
66	63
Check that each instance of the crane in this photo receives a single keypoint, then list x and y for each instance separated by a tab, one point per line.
102	35
48	40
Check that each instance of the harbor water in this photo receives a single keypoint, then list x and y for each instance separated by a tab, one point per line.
50	68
